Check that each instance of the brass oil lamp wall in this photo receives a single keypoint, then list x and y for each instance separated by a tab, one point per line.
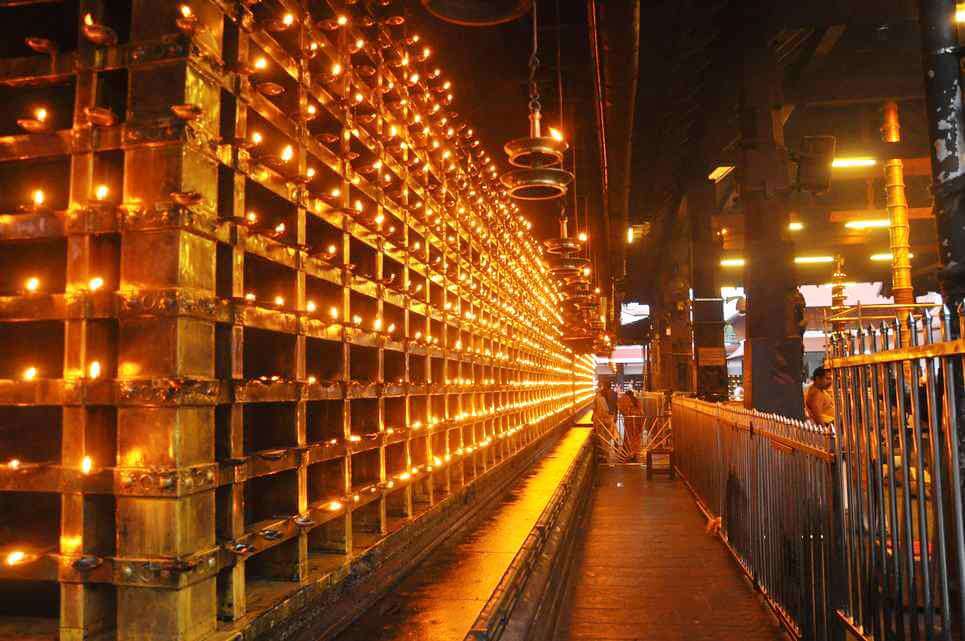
264	300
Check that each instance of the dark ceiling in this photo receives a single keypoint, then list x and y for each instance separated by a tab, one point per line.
489	68
669	72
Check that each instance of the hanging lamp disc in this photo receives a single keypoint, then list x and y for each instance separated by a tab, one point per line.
545	183
561	246
535	152
477	13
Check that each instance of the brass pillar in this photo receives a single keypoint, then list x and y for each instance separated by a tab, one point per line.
897	205
837	291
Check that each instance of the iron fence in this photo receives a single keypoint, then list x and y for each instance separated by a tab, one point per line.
765	483
856	526
897	390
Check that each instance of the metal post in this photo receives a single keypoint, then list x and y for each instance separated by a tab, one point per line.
897	205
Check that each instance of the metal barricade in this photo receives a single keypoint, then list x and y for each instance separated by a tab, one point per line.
903	562
658	435
858	527
636	436
765	484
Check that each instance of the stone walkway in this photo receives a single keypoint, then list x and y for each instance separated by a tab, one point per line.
647	570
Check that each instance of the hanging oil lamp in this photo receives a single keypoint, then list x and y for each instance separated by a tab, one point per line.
537	160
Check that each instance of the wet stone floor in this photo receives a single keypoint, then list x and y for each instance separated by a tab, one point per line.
647	570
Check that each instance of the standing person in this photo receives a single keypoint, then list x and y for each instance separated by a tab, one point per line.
603	415
818	402
611	399
632	423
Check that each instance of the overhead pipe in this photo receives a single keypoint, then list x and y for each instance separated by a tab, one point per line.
600	115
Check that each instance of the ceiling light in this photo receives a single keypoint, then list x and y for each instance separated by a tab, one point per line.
886	256
732	262
813	260
720	173
871	223
795	226
845	163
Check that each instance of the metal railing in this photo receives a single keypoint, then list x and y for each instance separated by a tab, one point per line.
765	484
895	388
653	403
858	526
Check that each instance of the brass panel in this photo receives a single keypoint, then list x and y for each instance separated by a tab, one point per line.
165	527
164	437
166	347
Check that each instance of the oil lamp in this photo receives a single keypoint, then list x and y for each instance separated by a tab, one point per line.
38	124
186	22
186	111
98	34
41	45
38	199
100	116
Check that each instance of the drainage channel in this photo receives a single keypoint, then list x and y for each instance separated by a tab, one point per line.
495	578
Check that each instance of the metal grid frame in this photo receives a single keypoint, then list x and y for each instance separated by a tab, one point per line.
236	438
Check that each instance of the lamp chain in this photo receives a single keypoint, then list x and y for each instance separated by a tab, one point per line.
534	103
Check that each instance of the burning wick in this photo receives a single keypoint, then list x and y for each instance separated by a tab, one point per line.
15	557
30	373
86	465
32	284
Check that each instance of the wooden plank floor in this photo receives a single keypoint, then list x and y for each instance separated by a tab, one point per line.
646	569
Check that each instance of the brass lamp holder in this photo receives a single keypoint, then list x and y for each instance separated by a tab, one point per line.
537	173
